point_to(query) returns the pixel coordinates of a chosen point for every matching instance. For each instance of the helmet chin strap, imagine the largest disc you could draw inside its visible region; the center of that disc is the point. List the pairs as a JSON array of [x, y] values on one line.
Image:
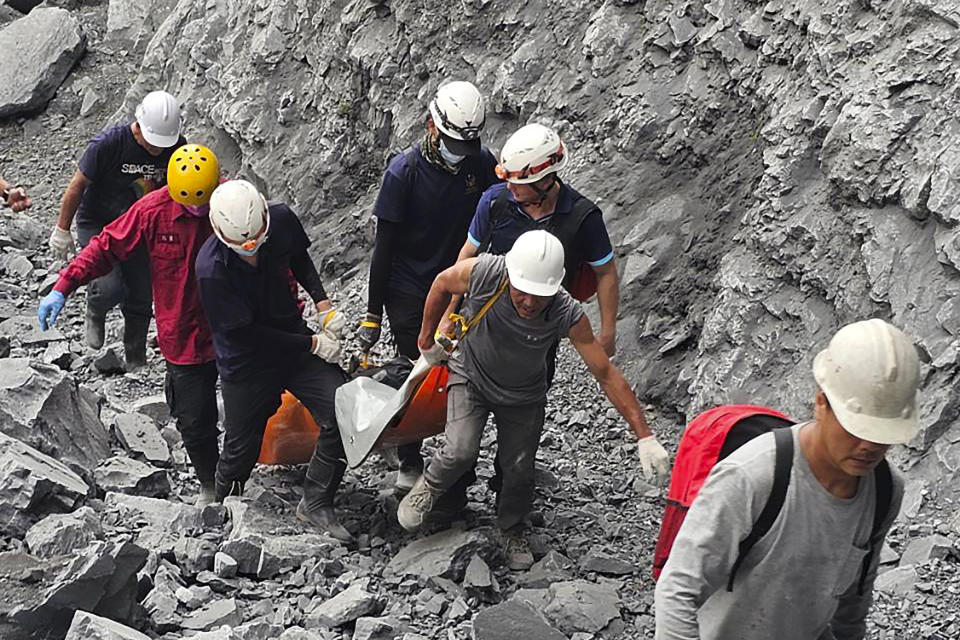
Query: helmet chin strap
[[542, 193]]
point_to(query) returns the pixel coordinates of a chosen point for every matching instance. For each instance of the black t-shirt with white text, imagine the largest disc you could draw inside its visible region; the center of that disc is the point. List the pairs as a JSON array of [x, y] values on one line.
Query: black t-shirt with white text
[[120, 172]]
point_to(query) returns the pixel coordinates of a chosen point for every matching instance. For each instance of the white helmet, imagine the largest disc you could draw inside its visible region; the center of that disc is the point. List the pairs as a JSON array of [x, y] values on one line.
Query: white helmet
[[870, 373], [239, 216], [535, 263], [531, 153], [159, 119], [457, 111]]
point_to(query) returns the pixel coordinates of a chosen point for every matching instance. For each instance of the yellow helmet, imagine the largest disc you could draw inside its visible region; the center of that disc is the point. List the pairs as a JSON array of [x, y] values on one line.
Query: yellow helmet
[[192, 174]]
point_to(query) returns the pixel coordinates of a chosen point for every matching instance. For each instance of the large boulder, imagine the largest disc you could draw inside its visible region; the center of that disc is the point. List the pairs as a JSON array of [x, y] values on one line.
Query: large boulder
[[32, 485], [43, 407], [125, 475], [62, 534], [40, 50], [87, 626]]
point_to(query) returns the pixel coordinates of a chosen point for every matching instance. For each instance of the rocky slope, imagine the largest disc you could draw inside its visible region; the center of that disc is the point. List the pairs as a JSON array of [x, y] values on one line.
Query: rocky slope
[[768, 170]]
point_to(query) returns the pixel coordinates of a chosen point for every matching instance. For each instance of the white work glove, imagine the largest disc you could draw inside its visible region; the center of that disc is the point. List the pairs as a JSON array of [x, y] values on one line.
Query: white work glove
[[654, 459], [332, 324], [61, 243], [435, 355], [326, 348]]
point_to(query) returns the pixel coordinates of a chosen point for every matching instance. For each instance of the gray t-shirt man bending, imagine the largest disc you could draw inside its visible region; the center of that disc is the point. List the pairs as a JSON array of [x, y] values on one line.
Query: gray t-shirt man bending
[[802, 580], [500, 368]]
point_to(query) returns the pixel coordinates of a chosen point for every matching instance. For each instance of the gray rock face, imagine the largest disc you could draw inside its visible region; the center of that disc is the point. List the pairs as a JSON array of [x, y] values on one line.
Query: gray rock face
[[899, 581], [62, 534], [124, 475], [44, 45], [134, 23], [43, 407], [580, 606], [444, 554], [346, 606], [101, 578], [923, 550], [32, 485], [139, 435], [512, 620], [86, 626]]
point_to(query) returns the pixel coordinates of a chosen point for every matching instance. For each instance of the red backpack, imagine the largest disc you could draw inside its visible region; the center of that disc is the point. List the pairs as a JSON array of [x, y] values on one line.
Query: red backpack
[[715, 434]]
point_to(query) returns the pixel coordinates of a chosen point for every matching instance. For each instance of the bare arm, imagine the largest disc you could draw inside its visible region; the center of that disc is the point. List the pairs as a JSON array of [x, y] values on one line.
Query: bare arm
[[609, 377], [450, 282], [608, 297], [71, 199], [467, 251]]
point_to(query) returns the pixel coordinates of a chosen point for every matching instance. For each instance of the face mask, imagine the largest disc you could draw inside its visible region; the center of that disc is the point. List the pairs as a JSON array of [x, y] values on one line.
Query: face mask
[[197, 211], [244, 252], [449, 156]]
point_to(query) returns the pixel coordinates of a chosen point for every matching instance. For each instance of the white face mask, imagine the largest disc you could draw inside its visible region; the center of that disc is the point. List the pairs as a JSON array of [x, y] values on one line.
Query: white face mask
[[449, 156]]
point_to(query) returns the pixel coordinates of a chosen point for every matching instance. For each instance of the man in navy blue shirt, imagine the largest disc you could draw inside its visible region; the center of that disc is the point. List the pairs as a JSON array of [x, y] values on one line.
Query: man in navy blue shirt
[[119, 166], [263, 344], [423, 210]]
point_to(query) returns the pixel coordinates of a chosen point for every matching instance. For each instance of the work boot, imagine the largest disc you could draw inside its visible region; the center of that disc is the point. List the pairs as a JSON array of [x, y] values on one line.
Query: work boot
[[415, 506], [95, 330], [208, 493], [226, 488], [135, 341], [517, 549], [320, 485]]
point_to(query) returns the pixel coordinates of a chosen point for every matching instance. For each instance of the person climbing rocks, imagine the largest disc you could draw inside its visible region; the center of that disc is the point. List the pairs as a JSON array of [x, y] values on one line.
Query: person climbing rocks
[[119, 166], [500, 368], [14, 198], [811, 574], [534, 197], [263, 344], [170, 225], [425, 204]]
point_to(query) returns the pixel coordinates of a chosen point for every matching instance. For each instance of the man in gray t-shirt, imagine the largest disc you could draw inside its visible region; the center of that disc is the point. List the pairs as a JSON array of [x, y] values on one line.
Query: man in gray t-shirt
[[519, 311], [802, 579]]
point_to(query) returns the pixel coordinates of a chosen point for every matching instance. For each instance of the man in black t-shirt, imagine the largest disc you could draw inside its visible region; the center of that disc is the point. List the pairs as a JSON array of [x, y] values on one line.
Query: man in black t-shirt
[[120, 165]]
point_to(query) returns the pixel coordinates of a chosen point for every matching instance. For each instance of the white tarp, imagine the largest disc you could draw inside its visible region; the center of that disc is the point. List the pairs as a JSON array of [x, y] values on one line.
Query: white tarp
[[366, 407]]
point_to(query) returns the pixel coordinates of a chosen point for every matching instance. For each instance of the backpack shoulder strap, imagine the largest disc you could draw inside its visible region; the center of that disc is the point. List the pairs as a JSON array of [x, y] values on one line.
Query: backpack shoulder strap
[[783, 465], [499, 209], [883, 481]]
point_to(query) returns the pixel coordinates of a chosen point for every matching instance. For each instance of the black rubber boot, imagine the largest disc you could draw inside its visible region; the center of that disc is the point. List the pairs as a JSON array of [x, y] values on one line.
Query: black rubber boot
[[94, 330], [319, 487], [135, 341], [227, 488]]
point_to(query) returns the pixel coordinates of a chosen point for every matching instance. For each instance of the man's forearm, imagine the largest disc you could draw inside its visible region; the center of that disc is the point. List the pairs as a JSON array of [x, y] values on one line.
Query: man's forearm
[[433, 309], [68, 206], [618, 391]]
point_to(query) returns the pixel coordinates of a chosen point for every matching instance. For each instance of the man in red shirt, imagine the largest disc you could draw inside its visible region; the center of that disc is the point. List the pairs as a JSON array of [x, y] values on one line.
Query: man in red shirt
[[172, 223]]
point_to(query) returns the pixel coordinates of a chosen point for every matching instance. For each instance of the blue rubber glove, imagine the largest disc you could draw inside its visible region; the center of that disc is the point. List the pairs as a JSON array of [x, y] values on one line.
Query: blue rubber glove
[[50, 307]]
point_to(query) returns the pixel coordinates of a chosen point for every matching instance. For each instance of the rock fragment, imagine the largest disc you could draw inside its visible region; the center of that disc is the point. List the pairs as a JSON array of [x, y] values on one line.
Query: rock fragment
[[553, 567], [606, 564], [124, 475], [224, 565], [138, 434], [87, 626], [445, 554], [212, 615], [899, 581], [109, 363], [512, 620], [44, 45], [42, 406], [62, 534], [32, 485], [578, 605], [346, 606], [925, 549]]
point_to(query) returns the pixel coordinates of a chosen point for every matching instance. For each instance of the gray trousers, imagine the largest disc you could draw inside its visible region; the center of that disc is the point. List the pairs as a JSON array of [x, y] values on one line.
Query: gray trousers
[[518, 437], [128, 284]]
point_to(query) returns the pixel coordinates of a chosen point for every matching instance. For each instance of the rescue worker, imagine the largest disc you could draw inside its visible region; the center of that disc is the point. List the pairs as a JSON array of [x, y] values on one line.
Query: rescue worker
[[811, 575], [428, 196], [171, 225], [534, 197], [14, 198], [120, 165], [500, 368], [263, 344]]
